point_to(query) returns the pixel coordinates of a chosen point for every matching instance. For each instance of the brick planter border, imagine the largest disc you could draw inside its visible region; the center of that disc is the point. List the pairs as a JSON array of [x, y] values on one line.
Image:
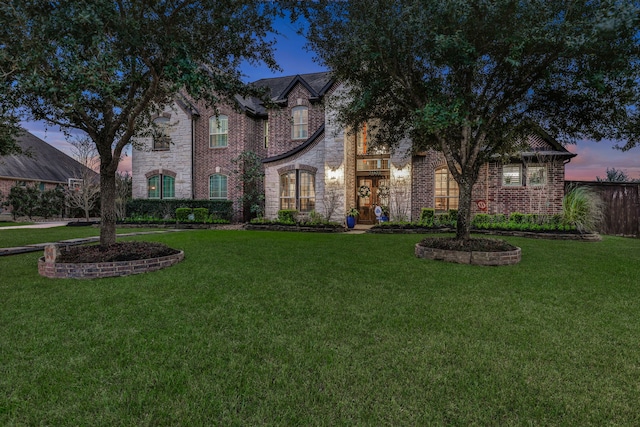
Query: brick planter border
[[476, 258], [98, 270]]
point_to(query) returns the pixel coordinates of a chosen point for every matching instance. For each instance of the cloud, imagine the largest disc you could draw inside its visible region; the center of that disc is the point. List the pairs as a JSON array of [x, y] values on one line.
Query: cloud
[[593, 159]]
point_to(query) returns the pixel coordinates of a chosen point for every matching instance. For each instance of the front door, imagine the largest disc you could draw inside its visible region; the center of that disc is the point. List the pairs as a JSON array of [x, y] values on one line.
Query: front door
[[367, 204]]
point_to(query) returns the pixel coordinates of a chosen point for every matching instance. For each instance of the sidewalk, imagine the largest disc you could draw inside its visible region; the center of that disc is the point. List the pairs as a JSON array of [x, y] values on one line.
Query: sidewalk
[[37, 225]]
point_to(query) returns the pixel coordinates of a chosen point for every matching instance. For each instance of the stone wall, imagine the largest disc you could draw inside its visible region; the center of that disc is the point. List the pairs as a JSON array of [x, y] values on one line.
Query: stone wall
[[177, 159]]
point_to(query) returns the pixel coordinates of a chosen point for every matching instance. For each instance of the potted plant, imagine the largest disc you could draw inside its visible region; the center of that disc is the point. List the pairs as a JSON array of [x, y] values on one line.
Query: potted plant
[[385, 214], [351, 217]]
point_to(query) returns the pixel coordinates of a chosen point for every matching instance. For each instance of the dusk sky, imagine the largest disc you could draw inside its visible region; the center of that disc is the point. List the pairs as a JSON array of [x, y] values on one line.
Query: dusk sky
[[592, 158]]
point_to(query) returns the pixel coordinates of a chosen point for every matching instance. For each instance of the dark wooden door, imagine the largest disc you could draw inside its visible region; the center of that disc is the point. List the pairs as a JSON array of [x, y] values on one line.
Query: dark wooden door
[[366, 205]]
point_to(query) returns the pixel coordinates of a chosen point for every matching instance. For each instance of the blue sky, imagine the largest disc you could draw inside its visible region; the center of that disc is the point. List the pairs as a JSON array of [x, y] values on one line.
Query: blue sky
[[592, 160]]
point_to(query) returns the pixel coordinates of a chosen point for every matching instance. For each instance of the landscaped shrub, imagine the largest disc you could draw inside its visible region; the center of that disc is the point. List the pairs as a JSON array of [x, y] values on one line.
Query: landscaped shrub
[[453, 215], [182, 214], [166, 208], [200, 214], [288, 215], [582, 208], [480, 219], [516, 217], [426, 215]]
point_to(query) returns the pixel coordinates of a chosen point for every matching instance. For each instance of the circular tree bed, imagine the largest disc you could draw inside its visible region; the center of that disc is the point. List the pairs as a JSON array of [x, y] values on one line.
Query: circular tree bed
[[119, 259], [470, 251]]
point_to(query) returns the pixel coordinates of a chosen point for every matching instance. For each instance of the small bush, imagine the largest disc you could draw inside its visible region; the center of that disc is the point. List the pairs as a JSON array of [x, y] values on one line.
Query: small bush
[[582, 208], [182, 214], [426, 215], [200, 214], [288, 216], [516, 217], [453, 215], [480, 219]]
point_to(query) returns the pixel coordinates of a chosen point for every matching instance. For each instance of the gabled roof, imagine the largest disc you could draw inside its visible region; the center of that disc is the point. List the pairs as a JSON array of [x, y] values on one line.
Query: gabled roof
[[543, 144], [45, 163], [278, 88]]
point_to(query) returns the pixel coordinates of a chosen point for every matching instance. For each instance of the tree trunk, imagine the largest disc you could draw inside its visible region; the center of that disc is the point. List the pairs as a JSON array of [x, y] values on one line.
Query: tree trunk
[[107, 207], [463, 227]]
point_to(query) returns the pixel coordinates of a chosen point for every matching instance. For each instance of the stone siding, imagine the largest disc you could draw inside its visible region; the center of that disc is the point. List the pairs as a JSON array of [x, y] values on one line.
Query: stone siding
[[176, 160]]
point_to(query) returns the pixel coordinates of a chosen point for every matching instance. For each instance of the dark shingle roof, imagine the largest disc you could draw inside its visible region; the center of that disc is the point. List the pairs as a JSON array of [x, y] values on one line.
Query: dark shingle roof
[[279, 87], [46, 163]]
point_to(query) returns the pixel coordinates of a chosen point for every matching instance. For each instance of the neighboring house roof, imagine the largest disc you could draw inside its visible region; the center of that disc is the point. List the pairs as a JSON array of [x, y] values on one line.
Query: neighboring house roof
[[278, 89], [44, 163]]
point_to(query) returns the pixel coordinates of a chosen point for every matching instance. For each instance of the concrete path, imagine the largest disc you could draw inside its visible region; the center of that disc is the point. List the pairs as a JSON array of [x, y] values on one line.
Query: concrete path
[[37, 225]]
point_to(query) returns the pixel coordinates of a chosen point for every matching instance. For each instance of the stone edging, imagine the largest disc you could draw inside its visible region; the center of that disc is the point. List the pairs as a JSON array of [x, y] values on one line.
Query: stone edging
[[476, 258], [49, 268]]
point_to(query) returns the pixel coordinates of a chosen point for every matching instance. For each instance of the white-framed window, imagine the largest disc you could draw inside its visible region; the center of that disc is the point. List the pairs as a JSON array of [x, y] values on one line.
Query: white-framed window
[[161, 187], [447, 191], [512, 175], [218, 131], [218, 186], [75, 183], [298, 190], [536, 175], [300, 128], [161, 138]]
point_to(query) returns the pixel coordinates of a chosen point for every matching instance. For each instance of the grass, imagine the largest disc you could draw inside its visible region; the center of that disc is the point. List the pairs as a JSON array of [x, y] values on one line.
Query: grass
[[27, 236], [257, 328]]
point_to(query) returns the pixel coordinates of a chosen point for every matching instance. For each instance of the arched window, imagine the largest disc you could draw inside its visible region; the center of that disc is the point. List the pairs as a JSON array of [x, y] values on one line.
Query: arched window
[[161, 187], [218, 131], [218, 186], [446, 191], [300, 128], [298, 190]]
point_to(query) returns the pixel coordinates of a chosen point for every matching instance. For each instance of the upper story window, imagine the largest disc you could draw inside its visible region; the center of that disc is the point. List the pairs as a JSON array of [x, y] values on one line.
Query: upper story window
[[218, 131], [218, 186], [363, 142], [511, 175], [161, 187], [300, 128], [161, 138]]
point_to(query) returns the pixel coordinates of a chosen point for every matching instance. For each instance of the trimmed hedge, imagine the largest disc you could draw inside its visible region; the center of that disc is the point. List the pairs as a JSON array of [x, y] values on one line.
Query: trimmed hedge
[[166, 208]]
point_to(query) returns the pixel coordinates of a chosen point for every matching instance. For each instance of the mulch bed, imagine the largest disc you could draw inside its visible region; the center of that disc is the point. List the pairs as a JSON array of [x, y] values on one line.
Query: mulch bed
[[469, 245], [120, 251]]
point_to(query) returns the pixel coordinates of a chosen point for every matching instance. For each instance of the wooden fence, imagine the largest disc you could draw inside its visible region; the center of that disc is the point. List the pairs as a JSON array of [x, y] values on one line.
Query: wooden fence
[[622, 206]]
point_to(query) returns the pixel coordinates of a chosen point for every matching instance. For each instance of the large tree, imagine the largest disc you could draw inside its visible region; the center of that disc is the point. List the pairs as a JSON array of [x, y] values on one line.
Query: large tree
[[472, 78], [105, 67]]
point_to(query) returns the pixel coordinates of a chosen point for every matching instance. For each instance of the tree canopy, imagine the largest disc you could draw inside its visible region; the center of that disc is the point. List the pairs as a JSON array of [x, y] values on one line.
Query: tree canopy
[[105, 67], [473, 78]]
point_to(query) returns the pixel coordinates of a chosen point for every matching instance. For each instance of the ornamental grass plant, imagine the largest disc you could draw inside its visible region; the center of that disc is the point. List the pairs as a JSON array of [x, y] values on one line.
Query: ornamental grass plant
[[256, 328]]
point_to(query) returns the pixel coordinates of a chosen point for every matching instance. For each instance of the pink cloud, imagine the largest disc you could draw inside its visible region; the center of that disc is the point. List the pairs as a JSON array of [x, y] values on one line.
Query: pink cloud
[[125, 165]]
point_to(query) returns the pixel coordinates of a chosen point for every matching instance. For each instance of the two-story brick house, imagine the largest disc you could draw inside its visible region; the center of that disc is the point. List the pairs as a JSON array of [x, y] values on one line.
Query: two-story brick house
[[312, 163]]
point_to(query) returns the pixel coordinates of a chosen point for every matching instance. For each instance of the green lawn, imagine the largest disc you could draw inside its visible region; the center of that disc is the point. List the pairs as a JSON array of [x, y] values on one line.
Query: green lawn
[[28, 236], [265, 328]]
